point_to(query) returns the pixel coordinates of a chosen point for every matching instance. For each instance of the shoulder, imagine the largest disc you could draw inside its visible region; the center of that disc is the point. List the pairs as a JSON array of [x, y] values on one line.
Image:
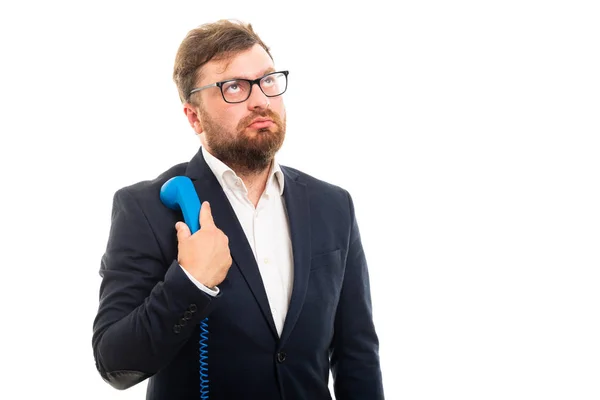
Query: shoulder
[[315, 185], [326, 197], [148, 190]]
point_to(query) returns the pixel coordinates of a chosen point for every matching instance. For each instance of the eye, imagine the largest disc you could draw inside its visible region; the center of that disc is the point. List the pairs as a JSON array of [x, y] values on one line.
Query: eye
[[233, 87], [269, 80]]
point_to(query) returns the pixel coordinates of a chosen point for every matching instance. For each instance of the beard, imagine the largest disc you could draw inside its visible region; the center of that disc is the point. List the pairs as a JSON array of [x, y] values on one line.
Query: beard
[[247, 151]]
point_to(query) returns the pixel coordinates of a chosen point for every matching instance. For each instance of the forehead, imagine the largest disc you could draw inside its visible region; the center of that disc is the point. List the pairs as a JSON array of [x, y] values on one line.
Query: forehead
[[249, 64]]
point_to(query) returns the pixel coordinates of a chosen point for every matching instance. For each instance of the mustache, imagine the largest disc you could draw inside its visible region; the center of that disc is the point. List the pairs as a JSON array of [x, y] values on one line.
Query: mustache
[[263, 114]]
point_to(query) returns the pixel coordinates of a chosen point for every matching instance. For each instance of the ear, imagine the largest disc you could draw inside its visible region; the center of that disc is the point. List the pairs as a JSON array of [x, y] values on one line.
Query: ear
[[193, 116]]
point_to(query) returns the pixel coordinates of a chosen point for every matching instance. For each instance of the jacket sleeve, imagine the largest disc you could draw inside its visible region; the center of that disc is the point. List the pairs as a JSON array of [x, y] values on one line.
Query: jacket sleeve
[[354, 349], [148, 307]]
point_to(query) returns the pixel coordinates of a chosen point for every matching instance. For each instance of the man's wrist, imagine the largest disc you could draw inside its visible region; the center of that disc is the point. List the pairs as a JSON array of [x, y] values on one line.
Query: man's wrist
[[212, 290]]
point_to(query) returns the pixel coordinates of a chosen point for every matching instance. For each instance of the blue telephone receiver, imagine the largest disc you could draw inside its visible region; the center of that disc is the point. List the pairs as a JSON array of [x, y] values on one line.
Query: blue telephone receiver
[[178, 193]]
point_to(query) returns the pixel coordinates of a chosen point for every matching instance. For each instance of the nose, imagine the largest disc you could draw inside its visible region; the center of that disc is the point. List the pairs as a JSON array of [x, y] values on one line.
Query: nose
[[257, 98]]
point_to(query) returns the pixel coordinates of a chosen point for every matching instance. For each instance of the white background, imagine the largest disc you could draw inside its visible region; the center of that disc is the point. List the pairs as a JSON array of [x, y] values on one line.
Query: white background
[[466, 132]]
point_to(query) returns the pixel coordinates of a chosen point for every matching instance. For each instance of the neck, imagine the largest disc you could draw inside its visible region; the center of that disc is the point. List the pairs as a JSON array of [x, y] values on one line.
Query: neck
[[255, 182]]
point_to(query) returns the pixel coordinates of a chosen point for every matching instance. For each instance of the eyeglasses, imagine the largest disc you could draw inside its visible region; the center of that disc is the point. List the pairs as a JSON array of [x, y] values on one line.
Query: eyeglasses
[[238, 90]]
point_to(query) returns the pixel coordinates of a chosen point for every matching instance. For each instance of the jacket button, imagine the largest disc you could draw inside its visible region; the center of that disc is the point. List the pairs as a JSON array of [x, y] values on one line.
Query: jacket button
[[187, 315], [182, 321], [193, 308], [177, 328], [281, 356]]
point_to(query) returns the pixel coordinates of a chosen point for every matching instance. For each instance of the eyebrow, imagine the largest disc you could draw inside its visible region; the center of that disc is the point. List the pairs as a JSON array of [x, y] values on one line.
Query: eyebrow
[[263, 73]]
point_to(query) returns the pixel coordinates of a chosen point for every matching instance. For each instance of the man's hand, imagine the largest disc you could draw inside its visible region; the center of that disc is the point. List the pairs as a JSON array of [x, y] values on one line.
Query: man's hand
[[205, 254]]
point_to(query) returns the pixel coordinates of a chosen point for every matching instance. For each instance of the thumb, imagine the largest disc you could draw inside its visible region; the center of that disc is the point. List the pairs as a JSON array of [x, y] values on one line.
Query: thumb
[[183, 232], [206, 218]]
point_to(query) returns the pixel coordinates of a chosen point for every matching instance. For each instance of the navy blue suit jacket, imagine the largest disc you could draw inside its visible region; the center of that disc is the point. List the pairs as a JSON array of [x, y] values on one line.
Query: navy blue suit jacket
[[149, 313]]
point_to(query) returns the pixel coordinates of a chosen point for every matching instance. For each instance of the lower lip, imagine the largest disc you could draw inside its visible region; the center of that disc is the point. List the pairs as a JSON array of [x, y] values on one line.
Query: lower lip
[[261, 124]]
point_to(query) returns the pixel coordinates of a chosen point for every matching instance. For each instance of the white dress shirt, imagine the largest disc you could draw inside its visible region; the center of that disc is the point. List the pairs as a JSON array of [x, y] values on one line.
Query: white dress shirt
[[267, 230]]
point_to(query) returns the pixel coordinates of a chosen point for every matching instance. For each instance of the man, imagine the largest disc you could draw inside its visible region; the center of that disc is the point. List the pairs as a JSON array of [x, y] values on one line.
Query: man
[[277, 265]]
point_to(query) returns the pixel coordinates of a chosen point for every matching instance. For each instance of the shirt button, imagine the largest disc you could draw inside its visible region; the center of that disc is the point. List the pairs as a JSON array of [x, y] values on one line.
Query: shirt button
[[266, 260]]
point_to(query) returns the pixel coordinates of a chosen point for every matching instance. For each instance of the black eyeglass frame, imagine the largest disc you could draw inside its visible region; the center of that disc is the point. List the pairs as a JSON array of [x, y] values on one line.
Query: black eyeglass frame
[[250, 81]]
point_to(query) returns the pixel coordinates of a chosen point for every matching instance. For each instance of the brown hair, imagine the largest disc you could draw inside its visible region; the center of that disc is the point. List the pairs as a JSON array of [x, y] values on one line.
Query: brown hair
[[219, 40]]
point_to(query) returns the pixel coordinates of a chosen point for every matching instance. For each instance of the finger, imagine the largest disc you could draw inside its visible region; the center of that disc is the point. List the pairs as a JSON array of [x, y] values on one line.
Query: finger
[[183, 232], [206, 218]]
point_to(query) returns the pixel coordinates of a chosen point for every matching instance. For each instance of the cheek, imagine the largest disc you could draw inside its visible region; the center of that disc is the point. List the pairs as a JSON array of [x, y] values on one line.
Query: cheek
[[227, 117], [235, 120], [279, 108]]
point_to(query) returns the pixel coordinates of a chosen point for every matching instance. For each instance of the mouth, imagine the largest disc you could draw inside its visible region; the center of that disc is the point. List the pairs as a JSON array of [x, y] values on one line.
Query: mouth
[[260, 123]]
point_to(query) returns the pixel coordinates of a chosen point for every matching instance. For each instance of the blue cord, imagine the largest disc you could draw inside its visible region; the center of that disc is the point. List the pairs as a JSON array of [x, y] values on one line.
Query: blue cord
[[178, 193], [203, 359]]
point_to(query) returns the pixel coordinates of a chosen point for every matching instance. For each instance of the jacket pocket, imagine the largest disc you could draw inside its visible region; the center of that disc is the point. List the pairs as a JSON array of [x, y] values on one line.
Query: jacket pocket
[[330, 259]]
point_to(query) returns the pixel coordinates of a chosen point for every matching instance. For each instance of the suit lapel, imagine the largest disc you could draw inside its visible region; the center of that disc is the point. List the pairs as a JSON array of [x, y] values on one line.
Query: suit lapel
[[209, 189], [296, 200]]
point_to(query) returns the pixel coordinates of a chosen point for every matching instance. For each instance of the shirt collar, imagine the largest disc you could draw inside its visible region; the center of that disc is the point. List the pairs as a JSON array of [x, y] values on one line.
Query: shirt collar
[[228, 178]]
